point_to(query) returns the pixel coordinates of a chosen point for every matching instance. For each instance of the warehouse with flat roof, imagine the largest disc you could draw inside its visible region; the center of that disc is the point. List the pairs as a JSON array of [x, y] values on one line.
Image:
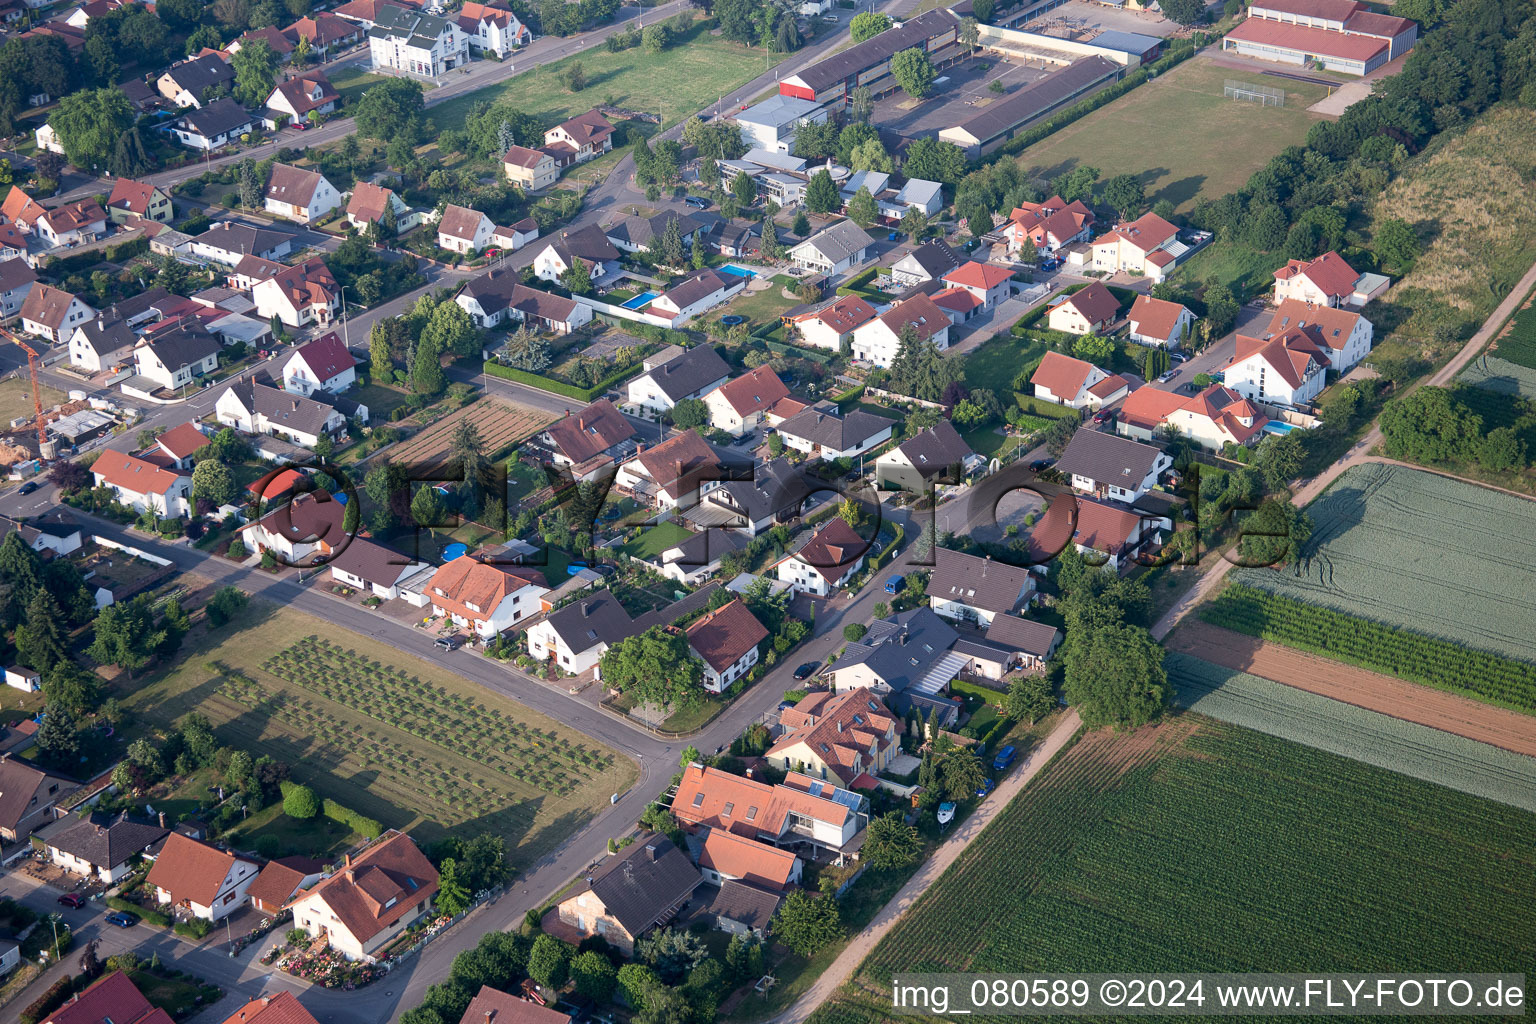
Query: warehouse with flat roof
[[1002, 120]]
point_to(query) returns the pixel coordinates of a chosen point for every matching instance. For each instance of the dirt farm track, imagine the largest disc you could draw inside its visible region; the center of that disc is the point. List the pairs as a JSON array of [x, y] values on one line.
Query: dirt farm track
[[1363, 688]]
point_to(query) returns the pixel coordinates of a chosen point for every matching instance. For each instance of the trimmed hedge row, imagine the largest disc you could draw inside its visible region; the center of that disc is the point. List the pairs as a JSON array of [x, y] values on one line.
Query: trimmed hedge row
[[154, 917], [358, 823], [80, 261], [49, 1001], [533, 380], [815, 355], [1040, 407], [971, 689]]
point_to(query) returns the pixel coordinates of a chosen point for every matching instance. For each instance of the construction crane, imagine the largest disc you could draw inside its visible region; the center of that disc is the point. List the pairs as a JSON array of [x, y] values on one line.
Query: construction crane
[[44, 448]]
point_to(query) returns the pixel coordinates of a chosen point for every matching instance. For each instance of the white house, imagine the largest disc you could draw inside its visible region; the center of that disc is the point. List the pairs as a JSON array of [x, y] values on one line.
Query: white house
[[726, 640], [302, 98], [1107, 466], [101, 344], [492, 28], [529, 169], [409, 40], [20, 677], [196, 877], [500, 295], [1049, 225], [926, 197], [968, 588], [368, 203], [832, 325], [101, 847], [141, 485], [1213, 418], [1076, 383], [938, 455], [47, 138], [927, 262], [988, 283], [1326, 280], [699, 291], [588, 246], [1148, 245], [372, 568], [52, 313], [675, 473], [582, 138], [304, 196], [1159, 323], [742, 404], [300, 295], [771, 124], [16, 281], [832, 556], [373, 898], [692, 373], [228, 242], [879, 340], [214, 126], [488, 599], [257, 406], [307, 529], [833, 249], [176, 357], [822, 433], [321, 365], [464, 230], [1345, 337], [574, 637], [1287, 369], [186, 83], [72, 224], [1089, 310]]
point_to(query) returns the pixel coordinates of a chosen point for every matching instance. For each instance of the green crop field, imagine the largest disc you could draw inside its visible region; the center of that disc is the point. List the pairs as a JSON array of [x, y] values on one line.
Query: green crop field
[[1421, 552], [1506, 682], [1220, 141], [1199, 846], [1518, 342], [1502, 376], [396, 738], [693, 72]]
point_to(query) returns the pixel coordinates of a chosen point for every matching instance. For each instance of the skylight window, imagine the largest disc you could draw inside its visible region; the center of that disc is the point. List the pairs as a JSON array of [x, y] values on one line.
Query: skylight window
[[698, 799]]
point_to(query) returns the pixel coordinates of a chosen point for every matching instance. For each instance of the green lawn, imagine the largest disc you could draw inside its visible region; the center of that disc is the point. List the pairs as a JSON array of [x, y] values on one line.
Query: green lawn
[[695, 71], [1181, 135], [16, 398], [758, 307], [319, 837], [353, 82], [380, 400], [1246, 271], [987, 441], [656, 539], [997, 362]]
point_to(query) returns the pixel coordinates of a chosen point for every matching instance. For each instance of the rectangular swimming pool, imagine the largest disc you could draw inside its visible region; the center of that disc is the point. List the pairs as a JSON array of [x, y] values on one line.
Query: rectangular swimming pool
[[1276, 427], [639, 301], [735, 271]]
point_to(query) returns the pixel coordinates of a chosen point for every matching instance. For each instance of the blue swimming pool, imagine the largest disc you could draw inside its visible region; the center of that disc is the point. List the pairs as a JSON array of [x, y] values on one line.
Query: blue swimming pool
[[639, 301], [1276, 427], [735, 271]]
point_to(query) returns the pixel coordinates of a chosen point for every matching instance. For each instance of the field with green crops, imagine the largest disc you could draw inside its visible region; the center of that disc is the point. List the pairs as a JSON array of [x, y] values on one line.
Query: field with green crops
[[1518, 343], [1501, 375], [1198, 846], [1420, 552], [1506, 682], [1368, 736]]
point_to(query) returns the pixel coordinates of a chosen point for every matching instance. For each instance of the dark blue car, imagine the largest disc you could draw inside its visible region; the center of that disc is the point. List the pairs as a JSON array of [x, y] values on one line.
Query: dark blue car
[[122, 919], [1003, 759]]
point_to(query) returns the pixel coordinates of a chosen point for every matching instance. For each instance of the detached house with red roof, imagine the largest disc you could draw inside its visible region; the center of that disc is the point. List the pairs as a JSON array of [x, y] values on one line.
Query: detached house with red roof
[[676, 473], [1326, 280], [1048, 225], [1113, 532], [1088, 310], [303, 98], [493, 28], [1159, 323], [321, 365], [113, 998], [801, 812], [487, 599], [324, 31], [837, 736], [827, 561], [724, 856], [740, 405], [298, 194], [726, 640], [582, 138], [1214, 417], [832, 325], [180, 443], [131, 198], [1076, 383], [1147, 245], [368, 203], [879, 340], [279, 880], [1343, 335], [371, 900], [281, 1007], [199, 879], [988, 283], [493, 1006], [1285, 369], [52, 313], [144, 485], [72, 223], [299, 295], [589, 440]]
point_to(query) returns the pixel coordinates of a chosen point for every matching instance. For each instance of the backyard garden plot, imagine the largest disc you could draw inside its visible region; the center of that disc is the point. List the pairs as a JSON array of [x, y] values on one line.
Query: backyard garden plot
[[1368, 736], [395, 738], [1198, 846], [1421, 552], [502, 424]]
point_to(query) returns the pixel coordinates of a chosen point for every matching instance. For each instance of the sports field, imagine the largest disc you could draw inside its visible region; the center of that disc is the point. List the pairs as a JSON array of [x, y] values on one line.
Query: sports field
[[1181, 135], [692, 73], [1200, 846], [1423, 553], [396, 738]]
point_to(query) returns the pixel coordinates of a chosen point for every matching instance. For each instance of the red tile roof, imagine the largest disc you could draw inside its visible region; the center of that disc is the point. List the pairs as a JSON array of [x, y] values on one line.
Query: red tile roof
[[1330, 10], [1148, 407], [754, 391], [119, 469], [679, 464], [183, 441], [1061, 375], [834, 548], [379, 887], [191, 870], [493, 1006], [20, 209], [1288, 354], [113, 998], [588, 128], [746, 859], [368, 201], [468, 581], [985, 276], [275, 484], [582, 435], [725, 635], [842, 316], [1332, 276], [1096, 303], [1108, 386], [840, 728], [1328, 325], [273, 888], [46, 305], [1308, 40], [297, 92], [281, 1007], [957, 299], [1156, 317], [709, 796], [1146, 232], [130, 195], [327, 356], [919, 312]]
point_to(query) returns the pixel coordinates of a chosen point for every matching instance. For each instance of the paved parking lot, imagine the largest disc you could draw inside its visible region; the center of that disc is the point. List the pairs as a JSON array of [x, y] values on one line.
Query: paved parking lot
[[959, 95]]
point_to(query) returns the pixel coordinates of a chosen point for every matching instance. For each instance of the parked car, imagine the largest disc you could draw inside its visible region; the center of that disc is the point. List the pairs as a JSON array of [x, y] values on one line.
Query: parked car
[[743, 439], [72, 899], [122, 919], [28, 487], [1178, 357], [697, 202], [1104, 416], [1165, 378], [446, 643], [1040, 464], [807, 670], [987, 785], [894, 584], [1003, 759]]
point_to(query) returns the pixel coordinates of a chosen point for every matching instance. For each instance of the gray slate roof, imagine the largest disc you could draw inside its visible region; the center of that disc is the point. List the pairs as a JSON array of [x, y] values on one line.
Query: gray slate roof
[[865, 55], [776, 486], [821, 427], [644, 882], [684, 374], [306, 415], [1022, 634], [1039, 97], [242, 239], [744, 903], [935, 257], [936, 448], [642, 231], [107, 841], [892, 645], [596, 618], [183, 345], [1107, 458], [838, 242], [979, 582], [217, 118], [107, 336]]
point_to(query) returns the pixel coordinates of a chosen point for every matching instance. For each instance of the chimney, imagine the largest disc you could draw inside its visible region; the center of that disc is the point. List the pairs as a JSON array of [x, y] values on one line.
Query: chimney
[[162, 819], [347, 859], [650, 851], [351, 875]]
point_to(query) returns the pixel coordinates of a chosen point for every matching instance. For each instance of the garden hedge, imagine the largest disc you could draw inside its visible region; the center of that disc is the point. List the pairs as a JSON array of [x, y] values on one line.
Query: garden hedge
[[49, 1001], [154, 917], [358, 823], [815, 355]]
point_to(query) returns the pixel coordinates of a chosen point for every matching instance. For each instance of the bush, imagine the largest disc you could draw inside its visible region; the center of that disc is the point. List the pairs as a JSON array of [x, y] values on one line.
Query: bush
[[299, 802], [296, 936], [49, 1001], [236, 549], [195, 928], [358, 823]]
